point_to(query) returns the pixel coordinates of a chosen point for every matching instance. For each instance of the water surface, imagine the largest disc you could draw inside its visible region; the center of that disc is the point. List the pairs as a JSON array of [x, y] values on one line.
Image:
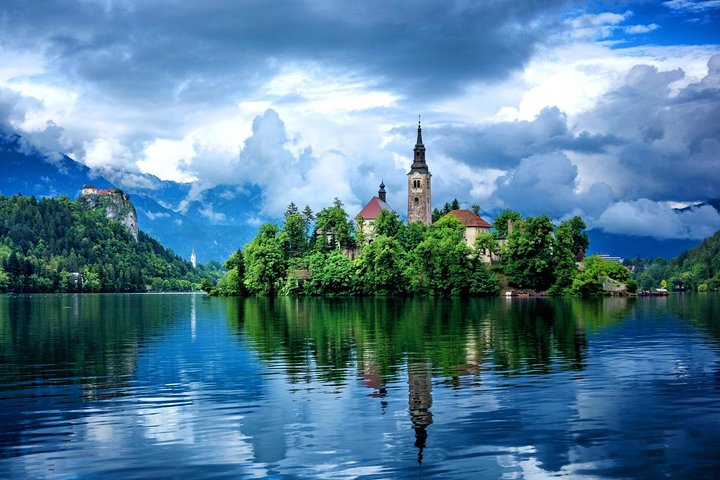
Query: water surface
[[185, 386]]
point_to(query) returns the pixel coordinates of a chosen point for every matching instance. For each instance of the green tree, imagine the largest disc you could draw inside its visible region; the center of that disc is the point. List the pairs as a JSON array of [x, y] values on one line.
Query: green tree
[[485, 242], [500, 225], [332, 273], [482, 281], [381, 267], [333, 227], [233, 283], [264, 262], [443, 259], [294, 233], [590, 280], [388, 223], [570, 245], [528, 257]]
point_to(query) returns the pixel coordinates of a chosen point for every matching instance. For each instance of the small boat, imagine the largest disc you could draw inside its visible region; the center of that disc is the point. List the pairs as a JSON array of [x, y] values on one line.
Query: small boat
[[660, 292]]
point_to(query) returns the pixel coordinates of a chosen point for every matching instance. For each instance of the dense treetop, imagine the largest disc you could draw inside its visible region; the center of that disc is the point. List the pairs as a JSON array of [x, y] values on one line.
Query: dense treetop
[[696, 269], [52, 245], [397, 259]]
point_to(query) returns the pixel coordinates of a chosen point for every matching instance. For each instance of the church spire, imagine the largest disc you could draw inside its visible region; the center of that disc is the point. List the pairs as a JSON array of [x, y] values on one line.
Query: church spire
[[419, 142], [419, 164], [381, 192]]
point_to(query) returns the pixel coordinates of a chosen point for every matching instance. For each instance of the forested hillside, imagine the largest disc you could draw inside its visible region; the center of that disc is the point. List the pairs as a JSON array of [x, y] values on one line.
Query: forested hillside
[[695, 269], [63, 245]]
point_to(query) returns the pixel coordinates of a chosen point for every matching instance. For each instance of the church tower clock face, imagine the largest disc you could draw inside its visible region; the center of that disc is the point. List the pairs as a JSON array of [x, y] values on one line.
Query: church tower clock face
[[419, 198]]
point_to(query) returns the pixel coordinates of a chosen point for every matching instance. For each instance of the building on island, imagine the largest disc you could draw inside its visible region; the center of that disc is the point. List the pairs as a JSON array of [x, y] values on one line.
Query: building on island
[[419, 192], [474, 227], [366, 218]]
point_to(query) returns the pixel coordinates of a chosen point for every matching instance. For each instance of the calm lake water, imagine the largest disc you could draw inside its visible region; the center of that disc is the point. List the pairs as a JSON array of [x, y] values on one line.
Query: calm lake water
[[185, 386]]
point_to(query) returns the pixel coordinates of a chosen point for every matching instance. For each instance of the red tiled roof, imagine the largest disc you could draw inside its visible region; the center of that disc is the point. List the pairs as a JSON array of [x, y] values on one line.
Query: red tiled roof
[[469, 219], [373, 208]]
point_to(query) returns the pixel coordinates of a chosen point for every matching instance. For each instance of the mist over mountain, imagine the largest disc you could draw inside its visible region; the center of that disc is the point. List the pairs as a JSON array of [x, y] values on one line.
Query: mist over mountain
[[218, 220]]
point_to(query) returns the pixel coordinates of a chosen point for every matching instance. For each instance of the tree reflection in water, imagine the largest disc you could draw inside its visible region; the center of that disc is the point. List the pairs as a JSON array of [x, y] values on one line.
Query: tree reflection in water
[[380, 340]]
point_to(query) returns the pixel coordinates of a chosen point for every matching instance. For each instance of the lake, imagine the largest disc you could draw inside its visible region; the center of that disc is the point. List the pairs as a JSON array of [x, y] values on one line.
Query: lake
[[186, 386]]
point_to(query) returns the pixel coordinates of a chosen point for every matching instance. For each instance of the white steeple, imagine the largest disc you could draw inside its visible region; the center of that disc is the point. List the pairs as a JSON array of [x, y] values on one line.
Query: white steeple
[[193, 259]]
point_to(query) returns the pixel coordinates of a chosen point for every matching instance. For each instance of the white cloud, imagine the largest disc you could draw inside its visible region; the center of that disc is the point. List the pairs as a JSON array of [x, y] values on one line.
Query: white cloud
[[104, 153], [636, 29], [169, 159], [154, 215], [208, 212], [693, 5]]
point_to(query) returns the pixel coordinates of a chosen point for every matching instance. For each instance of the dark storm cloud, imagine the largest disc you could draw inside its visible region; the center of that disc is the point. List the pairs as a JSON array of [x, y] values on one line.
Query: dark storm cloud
[[503, 145], [667, 144], [545, 185], [159, 51], [671, 143]]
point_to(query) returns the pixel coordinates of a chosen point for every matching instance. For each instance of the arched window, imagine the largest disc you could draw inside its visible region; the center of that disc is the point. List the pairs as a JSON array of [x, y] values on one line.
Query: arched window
[[417, 200]]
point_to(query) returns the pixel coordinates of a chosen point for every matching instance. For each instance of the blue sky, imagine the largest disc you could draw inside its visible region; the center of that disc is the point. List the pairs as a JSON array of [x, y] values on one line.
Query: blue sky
[[609, 109]]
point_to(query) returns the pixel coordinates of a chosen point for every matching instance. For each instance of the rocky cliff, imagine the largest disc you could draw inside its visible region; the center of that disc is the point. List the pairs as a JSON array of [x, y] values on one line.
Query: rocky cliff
[[117, 207]]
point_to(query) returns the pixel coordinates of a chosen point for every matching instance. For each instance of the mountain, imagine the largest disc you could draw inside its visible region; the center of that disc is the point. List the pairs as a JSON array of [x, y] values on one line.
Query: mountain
[[213, 223], [60, 245], [631, 246], [29, 172]]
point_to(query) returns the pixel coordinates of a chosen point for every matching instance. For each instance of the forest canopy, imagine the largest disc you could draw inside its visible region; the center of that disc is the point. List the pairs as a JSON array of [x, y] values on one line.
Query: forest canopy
[[61, 245]]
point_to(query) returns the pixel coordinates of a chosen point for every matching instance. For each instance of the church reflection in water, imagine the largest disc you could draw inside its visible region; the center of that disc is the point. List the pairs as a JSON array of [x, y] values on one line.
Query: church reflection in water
[[419, 402], [419, 397]]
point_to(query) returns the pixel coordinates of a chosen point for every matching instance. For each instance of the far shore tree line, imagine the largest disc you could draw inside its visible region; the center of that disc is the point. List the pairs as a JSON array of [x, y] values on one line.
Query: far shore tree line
[[697, 269], [323, 255]]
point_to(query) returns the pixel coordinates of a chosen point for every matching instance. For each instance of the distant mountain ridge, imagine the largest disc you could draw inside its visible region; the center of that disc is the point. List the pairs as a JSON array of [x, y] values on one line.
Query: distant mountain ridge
[[28, 171]]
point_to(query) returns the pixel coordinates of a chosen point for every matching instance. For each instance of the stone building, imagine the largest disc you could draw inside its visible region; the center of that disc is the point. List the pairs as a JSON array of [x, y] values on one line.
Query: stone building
[[419, 192]]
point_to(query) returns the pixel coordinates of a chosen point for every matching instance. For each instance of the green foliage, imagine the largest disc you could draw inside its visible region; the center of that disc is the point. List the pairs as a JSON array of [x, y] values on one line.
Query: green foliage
[[332, 274], [388, 223], [333, 227], [697, 266], [381, 267], [482, 281], [294, 232], [438, 214], [589, 281], [443, 259], [265, 262], [570, 245], [500, 225], [485, 242], [528, 257], [60, 245], [233, 283]]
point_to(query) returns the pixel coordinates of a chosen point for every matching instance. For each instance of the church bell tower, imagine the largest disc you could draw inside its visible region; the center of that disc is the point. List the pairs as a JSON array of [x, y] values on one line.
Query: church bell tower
[[419, 199]]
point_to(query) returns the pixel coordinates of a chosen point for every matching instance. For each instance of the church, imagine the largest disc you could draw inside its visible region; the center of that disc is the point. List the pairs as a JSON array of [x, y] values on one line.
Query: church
[[419, 201], [419, 194]]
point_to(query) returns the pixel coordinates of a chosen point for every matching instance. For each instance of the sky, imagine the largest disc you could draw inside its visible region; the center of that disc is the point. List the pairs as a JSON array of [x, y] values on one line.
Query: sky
[[606, 109]]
